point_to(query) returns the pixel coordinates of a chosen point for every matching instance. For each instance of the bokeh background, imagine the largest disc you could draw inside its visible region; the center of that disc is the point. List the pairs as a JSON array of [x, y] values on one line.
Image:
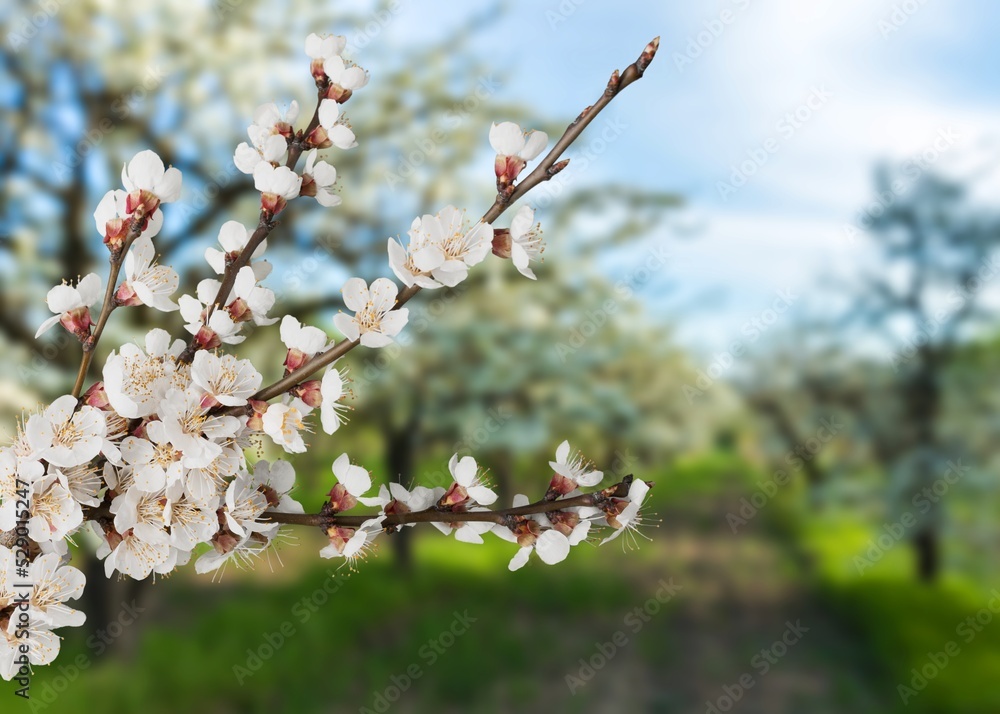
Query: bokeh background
[[769, 287]]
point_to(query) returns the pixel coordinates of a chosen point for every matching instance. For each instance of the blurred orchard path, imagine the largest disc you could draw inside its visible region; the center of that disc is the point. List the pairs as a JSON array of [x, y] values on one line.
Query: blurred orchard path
[[740, 592]]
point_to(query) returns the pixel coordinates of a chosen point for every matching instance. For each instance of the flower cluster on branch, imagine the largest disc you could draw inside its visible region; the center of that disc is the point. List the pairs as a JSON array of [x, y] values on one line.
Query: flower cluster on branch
[[152, 455]]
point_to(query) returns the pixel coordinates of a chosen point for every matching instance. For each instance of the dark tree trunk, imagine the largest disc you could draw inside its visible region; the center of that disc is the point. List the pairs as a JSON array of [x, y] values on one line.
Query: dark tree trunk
[[927, 550], [400, 457], [924, 406], [502, 463]]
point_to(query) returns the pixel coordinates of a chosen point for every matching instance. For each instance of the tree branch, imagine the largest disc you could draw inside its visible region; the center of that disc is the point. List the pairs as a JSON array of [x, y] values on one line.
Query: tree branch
[[543, 172]]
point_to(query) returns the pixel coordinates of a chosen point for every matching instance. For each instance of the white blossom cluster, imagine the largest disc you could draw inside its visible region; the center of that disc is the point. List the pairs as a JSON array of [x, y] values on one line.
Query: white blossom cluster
[[152, 457]]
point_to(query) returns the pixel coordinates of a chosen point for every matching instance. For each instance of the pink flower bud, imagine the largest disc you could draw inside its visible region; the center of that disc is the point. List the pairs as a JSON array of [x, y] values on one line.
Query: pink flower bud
[[272, 203], [501, 243], [454, 496], [125, 296], [78, 322], [207, 339], [341, 499], [309, 392], [96, 397]]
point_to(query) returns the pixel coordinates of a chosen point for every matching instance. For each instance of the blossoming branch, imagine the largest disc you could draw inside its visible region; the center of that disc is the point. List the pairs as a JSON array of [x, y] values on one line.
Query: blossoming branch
[[151, 456]]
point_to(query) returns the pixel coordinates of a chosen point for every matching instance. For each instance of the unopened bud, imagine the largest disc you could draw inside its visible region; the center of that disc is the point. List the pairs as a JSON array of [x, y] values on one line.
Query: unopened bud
[[126, 296], [341, 499], [78, 322], [309, 392], [97, 397], [501, 243]]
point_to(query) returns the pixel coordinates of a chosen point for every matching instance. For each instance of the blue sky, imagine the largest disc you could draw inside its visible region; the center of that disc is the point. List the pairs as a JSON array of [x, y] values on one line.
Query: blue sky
[[886, 80]]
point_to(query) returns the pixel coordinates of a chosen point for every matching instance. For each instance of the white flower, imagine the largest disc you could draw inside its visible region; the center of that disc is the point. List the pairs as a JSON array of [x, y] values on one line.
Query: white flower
[[233, 237], [552, 547], [525, 242], [420, 498], [54, 584], [571, 471], [229, 547], [508, 139], [136, 381], [65, 436], [112, 209], [155, 462], [84, 483], [331, 410], [336, 131], [375, 322], [303, 342], [54, 511], [145, 174], [190, 428], [221, 328], [355, 480], [247, 301], [130, 554], [268, 133], [71, 305], [225, 379], [441, 249], [245, 503], [207, 484], [190, 523], [537, 533], [147, 283], [468, 484], [344, 78], [276, 185], [324, 47], [275, 480], [351, 543], [630, 517], [144, 513], [324, 177], [284, 424]]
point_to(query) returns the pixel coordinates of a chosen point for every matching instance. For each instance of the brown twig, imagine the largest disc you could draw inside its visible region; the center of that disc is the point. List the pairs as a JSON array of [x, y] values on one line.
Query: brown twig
[[429, 515], [116, 260], [550, 166], [296, 146]]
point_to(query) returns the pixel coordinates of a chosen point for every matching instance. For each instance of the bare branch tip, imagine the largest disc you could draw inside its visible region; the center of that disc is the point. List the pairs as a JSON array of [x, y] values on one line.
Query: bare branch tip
[[646, 58]]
